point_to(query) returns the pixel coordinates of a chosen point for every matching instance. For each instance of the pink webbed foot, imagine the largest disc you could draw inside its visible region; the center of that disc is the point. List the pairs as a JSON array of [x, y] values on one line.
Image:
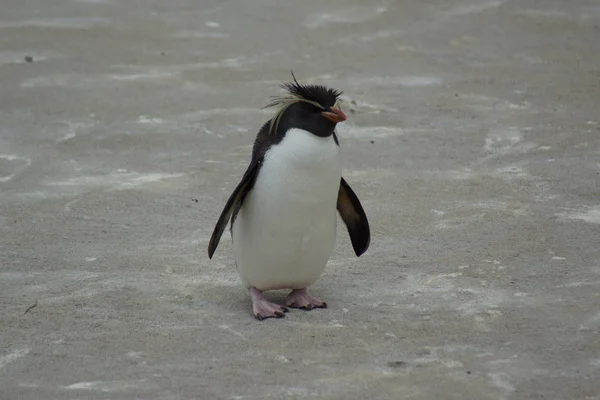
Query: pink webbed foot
[[263, 308], [299, 298]]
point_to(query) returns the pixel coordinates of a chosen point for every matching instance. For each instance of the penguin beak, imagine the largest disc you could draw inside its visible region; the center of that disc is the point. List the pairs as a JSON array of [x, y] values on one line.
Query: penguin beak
[[336, 115]]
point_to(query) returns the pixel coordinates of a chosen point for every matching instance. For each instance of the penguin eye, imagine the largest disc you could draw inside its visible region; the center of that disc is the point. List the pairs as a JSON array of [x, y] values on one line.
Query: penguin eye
[[314, 106], [318, 107]]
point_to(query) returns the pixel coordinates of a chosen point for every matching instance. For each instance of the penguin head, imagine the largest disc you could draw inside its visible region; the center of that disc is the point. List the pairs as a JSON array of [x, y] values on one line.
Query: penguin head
[[313, 108]]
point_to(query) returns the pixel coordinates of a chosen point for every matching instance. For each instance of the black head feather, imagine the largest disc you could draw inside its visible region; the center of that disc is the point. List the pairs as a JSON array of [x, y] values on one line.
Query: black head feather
[[319, 96], [316, 95], [326, 97]]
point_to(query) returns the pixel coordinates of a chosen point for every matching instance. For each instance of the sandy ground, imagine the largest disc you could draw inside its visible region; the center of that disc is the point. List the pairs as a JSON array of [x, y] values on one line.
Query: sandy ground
[[473, 141]]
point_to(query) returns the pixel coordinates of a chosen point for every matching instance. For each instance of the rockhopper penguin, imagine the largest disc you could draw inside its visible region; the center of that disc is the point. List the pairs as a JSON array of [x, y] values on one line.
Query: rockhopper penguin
[[283, 212]]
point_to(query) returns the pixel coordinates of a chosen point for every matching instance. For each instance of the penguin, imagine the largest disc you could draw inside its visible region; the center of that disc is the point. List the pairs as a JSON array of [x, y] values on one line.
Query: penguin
[[283, 212]]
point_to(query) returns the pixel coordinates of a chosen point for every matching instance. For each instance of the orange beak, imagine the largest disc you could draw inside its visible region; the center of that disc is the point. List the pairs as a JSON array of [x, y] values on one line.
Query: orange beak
[[336, 115]]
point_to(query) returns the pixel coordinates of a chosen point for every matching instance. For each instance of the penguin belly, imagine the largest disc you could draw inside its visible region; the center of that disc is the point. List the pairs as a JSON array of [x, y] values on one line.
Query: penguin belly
[[285, 230]]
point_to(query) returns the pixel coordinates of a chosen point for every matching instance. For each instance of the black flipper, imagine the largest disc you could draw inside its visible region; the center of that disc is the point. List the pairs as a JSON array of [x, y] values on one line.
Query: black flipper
[[233, 204], [354, 217]]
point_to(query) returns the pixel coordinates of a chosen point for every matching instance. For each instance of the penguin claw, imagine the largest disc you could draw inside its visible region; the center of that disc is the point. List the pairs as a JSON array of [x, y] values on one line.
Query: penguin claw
[[264, 309], [299, 298]]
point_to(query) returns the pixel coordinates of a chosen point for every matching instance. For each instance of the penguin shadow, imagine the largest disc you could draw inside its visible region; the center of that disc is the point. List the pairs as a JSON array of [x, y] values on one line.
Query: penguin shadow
[[276, 296]]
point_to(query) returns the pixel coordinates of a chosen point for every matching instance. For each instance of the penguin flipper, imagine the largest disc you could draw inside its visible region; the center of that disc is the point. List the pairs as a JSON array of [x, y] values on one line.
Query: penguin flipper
[[354, 217], [233, 204]]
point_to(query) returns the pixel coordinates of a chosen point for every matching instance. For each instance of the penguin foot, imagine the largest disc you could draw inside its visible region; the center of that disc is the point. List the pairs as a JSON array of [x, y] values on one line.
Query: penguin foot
[[299, 298], [263, 308]]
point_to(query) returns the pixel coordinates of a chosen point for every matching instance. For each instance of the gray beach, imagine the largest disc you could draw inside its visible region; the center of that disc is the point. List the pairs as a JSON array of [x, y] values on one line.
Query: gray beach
[[472, 140]]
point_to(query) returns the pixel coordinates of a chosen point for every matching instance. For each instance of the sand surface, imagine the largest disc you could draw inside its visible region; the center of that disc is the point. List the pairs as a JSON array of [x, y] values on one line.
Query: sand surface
[[473, 141]]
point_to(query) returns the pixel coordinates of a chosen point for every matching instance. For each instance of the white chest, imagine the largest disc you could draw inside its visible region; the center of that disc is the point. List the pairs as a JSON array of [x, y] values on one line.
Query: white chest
[[302, 168], [285, 231]]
